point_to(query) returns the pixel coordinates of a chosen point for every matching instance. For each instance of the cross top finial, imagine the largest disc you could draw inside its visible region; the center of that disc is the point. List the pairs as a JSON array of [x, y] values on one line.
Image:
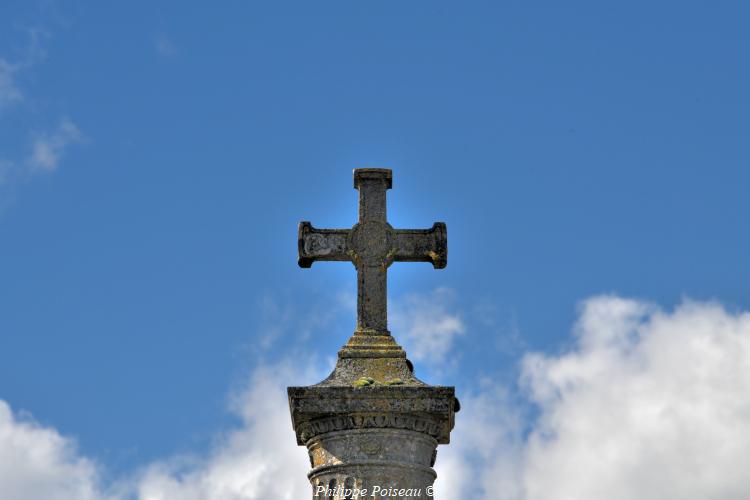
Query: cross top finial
[[384, 175], [372, 245]]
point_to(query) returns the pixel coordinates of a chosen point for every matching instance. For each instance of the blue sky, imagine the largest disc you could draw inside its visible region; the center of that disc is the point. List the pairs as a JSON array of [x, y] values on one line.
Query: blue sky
[[155, 162]]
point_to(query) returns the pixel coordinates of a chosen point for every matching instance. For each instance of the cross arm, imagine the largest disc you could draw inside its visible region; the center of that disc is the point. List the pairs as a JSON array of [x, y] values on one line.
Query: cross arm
[[321, 244], [423, 245]]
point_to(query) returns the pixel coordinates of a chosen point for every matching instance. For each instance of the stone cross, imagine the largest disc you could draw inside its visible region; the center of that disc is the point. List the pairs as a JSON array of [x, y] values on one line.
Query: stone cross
[[372, 424], [372, 245]]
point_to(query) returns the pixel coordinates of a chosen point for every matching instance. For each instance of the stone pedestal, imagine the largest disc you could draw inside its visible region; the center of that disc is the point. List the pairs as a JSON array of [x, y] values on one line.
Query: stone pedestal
[[371, 425]]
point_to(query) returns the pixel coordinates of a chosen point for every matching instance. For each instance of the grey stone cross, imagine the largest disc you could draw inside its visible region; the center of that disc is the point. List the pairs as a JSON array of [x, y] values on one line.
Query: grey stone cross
[[372, 245]]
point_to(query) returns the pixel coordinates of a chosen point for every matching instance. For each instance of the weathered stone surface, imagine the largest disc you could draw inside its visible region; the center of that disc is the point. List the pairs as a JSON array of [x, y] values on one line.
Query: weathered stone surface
[[374, 436], [373, 458], [372, 245], [319, 409], [372, 424]]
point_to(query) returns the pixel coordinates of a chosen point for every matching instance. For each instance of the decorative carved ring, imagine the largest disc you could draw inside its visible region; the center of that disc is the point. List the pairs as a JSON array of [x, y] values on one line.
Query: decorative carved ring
[[310, 429]]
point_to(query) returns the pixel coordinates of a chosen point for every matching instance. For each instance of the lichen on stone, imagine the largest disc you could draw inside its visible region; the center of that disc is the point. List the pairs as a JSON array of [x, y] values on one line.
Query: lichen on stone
[[364, 382]]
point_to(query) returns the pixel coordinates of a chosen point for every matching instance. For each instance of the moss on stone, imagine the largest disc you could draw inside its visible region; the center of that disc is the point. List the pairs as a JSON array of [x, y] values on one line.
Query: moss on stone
[[364, 382]]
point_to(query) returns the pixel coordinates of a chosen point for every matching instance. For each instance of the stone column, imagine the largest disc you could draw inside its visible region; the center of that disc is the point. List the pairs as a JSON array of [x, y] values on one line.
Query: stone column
[[372, 425]]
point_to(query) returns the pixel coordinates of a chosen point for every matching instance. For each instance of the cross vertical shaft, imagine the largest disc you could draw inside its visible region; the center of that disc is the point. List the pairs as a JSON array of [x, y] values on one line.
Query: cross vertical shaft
[[372, 232]]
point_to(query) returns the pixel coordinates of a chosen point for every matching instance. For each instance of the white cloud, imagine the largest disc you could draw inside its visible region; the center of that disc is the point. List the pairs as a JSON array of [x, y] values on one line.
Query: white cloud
[[37, 463], [9, 92], [482, 461], [427, 324], [259, 460], [48, 149], [647, 404]]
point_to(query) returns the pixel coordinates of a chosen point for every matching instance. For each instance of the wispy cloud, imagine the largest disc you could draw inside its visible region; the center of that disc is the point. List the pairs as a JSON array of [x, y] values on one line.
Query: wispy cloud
[[427, 324], [9, 92], [280, 318], [48, 149], [164, 45]]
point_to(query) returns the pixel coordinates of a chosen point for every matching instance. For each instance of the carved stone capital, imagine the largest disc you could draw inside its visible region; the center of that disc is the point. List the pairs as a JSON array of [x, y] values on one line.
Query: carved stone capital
[[320, 409]]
